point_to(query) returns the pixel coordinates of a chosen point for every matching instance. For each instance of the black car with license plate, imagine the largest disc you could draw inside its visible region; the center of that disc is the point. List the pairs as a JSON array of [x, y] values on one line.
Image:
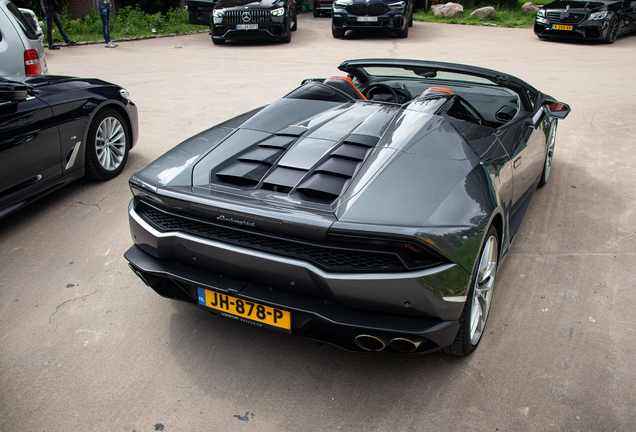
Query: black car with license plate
[[601, 20], [396, 16], [249, 19], [56, 129], [369, 211]]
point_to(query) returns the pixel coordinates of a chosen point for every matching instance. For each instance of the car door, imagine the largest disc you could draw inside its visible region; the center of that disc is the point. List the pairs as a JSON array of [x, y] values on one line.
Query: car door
[[525, 142], [29, 149]]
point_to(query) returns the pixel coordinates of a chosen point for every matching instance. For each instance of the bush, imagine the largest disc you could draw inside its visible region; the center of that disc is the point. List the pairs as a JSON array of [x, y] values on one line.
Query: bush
[[152, 7]]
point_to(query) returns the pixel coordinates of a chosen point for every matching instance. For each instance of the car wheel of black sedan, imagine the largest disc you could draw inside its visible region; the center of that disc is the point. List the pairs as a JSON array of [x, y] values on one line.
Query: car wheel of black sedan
[[549, 155], [107, 145], [337, 33], [473, 319], [612, 31], [411, 20], [316, 13]]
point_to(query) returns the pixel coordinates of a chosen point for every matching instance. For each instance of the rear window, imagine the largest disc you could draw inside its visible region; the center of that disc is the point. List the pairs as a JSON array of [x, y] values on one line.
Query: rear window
[[23, 22]]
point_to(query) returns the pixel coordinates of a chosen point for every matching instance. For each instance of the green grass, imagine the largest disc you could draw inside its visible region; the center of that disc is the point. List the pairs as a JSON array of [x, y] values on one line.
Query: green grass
[[504, 17], [129, 23]]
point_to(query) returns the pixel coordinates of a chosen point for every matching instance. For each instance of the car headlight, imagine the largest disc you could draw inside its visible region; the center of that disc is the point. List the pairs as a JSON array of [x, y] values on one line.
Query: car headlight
[[597, 16], [124, 93], [217, 13], [278, 12], [340, 5], [541, 13], [398, 5]]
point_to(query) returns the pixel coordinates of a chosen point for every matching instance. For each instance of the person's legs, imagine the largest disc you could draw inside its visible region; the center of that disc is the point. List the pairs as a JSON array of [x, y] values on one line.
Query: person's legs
[[104, 14], [60, 27], [49, 26]]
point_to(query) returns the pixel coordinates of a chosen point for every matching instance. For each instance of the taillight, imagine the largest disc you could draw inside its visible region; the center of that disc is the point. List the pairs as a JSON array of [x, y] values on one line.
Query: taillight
[[32, 64], [412, 254]]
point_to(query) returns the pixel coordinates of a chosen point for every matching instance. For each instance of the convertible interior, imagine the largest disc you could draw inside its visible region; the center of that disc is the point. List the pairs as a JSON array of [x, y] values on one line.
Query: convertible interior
[[489, 104]]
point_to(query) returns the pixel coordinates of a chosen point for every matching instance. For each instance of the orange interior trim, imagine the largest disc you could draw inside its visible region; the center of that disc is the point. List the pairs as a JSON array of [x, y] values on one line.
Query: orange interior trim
[[439, 89], [350, 81]]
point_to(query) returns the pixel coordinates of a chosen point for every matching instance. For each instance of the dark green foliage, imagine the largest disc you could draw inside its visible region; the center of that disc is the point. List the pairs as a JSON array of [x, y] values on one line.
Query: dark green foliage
[[151, 7], [129, 23], [34, 5]]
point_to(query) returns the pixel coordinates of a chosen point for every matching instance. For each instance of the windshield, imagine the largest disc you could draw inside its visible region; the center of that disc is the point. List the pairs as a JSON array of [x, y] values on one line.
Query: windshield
[[429, 76]]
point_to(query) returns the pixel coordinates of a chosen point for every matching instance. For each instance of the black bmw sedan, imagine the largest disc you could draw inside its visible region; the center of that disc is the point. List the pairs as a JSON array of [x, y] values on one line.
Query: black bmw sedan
[[372, 15], [56, 129], [249, 19], [602, 20]]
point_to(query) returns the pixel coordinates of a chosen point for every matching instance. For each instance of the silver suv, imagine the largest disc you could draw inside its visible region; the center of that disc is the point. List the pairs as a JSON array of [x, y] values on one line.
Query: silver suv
[[21, 50]]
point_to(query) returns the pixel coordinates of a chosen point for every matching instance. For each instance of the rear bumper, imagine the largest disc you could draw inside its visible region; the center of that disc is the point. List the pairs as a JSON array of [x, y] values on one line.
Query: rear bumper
[[325, 306], [313, 318]]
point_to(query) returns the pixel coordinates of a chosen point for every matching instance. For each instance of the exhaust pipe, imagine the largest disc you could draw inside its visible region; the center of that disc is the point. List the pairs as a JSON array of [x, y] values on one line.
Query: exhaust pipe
[[403, 344], [371, 342]]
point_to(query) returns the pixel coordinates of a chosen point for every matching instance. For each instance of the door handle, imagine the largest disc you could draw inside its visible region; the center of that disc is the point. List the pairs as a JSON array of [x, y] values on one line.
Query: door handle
[[517, 162]]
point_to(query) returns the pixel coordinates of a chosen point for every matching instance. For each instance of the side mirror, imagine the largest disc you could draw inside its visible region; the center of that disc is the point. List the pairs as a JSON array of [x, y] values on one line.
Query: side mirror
[[13, 92], [557, 109]]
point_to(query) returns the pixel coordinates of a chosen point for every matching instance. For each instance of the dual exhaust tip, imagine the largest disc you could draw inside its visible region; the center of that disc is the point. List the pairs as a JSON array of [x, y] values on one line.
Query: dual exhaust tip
[[379, 342]]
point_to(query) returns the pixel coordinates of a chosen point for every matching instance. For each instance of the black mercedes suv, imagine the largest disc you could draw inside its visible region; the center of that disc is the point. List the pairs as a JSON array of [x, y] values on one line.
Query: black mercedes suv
[[249, 19], [371, 15]]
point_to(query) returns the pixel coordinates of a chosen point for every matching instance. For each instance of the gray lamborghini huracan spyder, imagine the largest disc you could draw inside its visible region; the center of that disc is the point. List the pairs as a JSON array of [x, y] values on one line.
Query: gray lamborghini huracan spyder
[[369, 211]]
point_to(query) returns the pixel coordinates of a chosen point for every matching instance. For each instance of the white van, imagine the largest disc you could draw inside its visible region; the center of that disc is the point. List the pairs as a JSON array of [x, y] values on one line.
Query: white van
[[21, 50]]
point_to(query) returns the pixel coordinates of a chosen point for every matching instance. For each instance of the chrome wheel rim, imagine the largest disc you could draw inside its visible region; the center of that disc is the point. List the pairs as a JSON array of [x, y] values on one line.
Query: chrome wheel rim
[[550, 153], [110, 143], [482, 292], [613, 31]]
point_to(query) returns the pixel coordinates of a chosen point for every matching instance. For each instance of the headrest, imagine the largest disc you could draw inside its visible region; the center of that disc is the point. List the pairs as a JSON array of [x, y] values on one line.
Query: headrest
[[346, 85], [436, 90]]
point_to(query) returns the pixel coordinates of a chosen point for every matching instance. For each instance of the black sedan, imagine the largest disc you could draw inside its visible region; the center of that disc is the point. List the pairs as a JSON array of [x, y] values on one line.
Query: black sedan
[[602, 20], [253, 19], [55, 129], [369, 211], [396, 16]]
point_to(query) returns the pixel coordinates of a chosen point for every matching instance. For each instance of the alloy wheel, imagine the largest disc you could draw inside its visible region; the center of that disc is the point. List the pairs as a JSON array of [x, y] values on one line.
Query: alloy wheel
[[110, 143], [482, 292]]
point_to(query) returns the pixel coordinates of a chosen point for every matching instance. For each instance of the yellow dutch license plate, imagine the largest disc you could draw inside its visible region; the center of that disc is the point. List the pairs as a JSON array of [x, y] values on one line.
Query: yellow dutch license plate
[[246, 311], [562, 27]]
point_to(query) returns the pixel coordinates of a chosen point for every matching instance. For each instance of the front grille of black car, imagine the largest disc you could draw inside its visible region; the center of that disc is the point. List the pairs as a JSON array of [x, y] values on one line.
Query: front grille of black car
[[565, 18], [363, 9], [247, 17], [327, 258]]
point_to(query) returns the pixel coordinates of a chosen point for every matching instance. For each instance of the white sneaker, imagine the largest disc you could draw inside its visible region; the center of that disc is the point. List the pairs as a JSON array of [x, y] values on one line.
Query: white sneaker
[[111, 45]]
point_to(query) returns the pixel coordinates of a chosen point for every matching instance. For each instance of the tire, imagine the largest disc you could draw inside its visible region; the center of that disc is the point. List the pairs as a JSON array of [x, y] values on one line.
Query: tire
[[107, 145], [295, 25], [411, 20], [316, 13], [612, 31], [475, 314], [337, 33], [549, 154], [403, 34]]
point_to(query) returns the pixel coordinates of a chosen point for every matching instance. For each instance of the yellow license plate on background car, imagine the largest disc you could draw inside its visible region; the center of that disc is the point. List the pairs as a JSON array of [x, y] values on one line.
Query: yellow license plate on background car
[[562, 27], [246, 311]]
